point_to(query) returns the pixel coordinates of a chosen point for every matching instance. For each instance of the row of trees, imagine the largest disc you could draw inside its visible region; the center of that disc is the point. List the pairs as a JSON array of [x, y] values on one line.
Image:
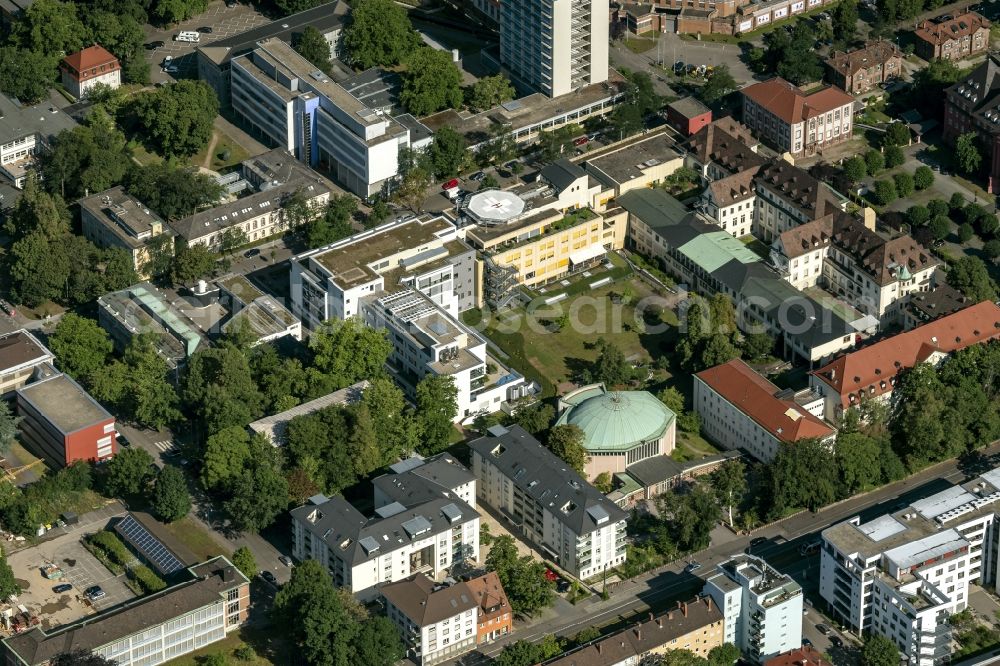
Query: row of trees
[[523, 653]]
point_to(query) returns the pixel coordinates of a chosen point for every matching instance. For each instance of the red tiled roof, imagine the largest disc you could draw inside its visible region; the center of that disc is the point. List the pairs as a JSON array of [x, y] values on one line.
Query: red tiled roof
[[89, 58], [792, 105], [489, 594], [873, 53], [756, 397], [806, 655], [871, 371], [958, 27]]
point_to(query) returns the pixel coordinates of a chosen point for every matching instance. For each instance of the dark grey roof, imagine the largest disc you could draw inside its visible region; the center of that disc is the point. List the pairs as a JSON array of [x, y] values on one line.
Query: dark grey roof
[[735, 274], [562, 173], [425, 602], [209, 582], [655, 207], [430, 479], [17, 120], [980, 88], [346, 530], [418, 131], [325, 18], [652, 471], [376, 88], [551, 482]]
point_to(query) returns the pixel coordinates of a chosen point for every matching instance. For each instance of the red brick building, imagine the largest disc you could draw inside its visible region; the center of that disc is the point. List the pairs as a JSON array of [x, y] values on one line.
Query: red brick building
[[971, 106], [806, 655], [960, 37], [63, 424], [862, 69], [687, 115]]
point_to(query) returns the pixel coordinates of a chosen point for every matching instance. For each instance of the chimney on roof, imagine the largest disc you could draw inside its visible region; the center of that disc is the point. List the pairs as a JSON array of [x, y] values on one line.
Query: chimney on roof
[[685, 607], [599, 650], [708, 600], [659, 621], [638, 633]]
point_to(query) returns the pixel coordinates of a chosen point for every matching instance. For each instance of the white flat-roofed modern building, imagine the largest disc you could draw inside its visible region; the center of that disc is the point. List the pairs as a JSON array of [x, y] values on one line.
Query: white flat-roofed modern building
[[762, 607], [902, 575], [412, 278], [548, 502], [555, 46], [425, 528], [298, 107]]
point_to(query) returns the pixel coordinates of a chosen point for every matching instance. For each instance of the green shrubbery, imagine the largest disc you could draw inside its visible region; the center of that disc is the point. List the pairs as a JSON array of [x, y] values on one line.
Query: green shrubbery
[[146, 578], [110, 550]]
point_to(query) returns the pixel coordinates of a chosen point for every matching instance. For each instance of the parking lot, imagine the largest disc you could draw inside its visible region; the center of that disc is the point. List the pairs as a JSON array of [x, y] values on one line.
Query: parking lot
[[224, 22], [80, 569]]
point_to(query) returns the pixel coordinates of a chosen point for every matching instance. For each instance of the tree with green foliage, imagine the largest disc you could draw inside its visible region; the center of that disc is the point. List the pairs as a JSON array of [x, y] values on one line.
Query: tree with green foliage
[[392, 418], [448, 153], [51, 27], [437, 404], [879, 651], [232, 239], [128, 472], [260, 493], [38, 271], [965, 232], [81, 658], [25, 74], [874, 162], [690, 517], [884, 192], [719, 84], [896, 134], [803, 474], [226, 454], [522, 577], [923, 177], [171, 191], [904, 184], [148, 396], [38, 211], [312, 46], [81, 346], [220, 389], [348, 351], [553, 143], [940, 227], [917, 215], [171, 499], [499, 148], [8, 584], [334, 224], [757, 345], [938, 206], [855, 169], [967, 154], [603, 482], [969, 276], [845, 21], [178, 118], [524, 653], [566, 442], [244, 560], [610, 368], [378, 644], [412, 191], [121, 34], [431, 82], [490, 91], [726, 654], [991, 249], [894, 157], [790, 51], [378, 34], [535, 418], [378, 213], [91, 157], [729, 483], [192, 262]]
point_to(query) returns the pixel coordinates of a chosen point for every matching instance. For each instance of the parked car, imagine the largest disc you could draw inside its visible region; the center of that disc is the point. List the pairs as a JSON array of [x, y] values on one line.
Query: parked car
[[252, 252], [152, 46], [287, 561], [810, 548], [269, 577], [756, 541], [231, 3], [835, 641], [581, 141], [205, 30], [679, 67], [823, 629], [94, 592], [64, 587], [187, 36], [562, 586], [7, 307], [806, 641], [478, 176], [692, 567]]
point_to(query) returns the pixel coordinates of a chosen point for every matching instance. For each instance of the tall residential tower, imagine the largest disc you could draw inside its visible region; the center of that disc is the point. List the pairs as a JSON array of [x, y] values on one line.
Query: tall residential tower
[[555, 46]]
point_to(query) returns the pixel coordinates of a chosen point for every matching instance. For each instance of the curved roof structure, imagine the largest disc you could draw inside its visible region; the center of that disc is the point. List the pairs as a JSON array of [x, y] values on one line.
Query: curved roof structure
[[616, 420], [495, 206]]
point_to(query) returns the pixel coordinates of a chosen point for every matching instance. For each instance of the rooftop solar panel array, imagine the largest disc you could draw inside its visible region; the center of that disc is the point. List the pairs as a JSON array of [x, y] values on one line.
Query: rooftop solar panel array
[[149, 546]]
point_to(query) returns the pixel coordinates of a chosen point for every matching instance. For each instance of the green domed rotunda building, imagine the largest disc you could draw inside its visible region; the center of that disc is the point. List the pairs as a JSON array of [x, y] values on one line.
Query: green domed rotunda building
[[620, 428]]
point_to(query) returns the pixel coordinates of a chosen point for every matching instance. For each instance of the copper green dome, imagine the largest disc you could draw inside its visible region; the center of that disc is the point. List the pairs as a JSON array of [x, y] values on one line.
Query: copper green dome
[[617, 421]]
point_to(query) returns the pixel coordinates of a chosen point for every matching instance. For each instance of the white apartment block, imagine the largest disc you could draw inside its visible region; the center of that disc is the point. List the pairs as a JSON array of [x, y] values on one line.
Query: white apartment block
[[21, 355], [412, 278], [271, 178], [417, 480], [437, 621], [555, 46], [732, 202], [548, 502], [112, 218], [213, 601], [903, 574], [362, 553], [298, 108], [762, 607]]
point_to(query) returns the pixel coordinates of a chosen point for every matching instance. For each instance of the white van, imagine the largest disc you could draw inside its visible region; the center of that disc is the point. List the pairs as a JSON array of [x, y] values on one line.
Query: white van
[[187, 36]]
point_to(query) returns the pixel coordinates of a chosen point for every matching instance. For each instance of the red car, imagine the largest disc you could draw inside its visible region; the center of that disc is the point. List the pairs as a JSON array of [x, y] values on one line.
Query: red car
[[450, 184], [582, 141], [551, 575]]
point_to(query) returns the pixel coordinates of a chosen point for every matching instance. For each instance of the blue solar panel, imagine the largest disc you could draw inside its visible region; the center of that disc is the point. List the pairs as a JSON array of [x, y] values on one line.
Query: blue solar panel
[[150, 547]]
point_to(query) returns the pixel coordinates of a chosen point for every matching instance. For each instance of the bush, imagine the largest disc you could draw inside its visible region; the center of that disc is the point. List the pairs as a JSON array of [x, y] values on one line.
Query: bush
[[855, 169], [923, 177], [245, 653], [957, 201], [884, 192], [113, 547], [904, 184], [987, 225], [917, 215], [965, 232], [894, 157], [937, 206], [874, 161], [146, 579]]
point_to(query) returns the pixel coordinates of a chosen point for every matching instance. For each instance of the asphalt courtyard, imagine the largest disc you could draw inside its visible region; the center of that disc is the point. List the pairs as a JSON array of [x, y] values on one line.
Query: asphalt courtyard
[[224, 22]]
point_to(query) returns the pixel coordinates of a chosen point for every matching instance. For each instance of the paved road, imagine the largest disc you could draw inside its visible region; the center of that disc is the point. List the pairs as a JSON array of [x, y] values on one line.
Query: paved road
[[656, 590]]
